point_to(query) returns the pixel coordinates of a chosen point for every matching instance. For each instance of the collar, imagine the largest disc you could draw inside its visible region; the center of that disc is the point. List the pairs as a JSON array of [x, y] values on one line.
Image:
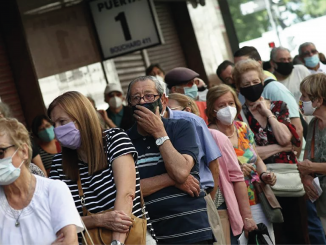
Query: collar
[[170, 112]]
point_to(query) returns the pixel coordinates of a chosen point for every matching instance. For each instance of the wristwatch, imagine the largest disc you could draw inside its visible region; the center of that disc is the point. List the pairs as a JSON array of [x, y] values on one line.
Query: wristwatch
[[115, 242], [161, 140]]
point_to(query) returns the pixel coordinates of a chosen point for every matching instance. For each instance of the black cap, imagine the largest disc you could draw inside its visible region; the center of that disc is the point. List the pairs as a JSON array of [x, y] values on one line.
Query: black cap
[[179, 75]]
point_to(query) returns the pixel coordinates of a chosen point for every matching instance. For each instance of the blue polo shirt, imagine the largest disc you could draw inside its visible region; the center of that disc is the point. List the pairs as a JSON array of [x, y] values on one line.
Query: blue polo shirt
[[208, 149], [177, 218]]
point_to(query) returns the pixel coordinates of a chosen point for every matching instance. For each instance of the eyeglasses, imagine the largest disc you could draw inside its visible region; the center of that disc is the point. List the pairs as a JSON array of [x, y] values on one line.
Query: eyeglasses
[[147, 98], [307, 53], [3, 150], [176, 108]]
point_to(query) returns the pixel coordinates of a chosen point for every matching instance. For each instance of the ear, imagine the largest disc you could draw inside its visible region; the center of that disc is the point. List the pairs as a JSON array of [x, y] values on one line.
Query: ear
[[196, 80], [173, 90], [260, 62], [272, 63], [188, 109], [164, 100], [24, 151]]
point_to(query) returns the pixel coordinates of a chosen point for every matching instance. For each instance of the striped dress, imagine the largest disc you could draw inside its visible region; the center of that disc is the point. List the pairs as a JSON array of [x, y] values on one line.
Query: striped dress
[[99, 188]]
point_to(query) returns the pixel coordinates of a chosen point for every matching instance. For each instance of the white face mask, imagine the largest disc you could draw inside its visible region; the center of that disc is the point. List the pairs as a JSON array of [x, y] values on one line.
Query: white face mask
[[115, 102], [226, 115], [307, 108], [8, 172]]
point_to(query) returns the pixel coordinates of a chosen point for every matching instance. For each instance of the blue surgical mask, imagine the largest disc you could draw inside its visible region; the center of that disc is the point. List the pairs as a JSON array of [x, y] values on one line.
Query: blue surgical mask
[[46, 135], [191, 92], [312, 61], [8, 172]]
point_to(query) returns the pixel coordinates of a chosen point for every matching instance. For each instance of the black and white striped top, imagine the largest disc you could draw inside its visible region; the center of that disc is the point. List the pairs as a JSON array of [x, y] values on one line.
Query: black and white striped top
[[99, 189], [46, 158]]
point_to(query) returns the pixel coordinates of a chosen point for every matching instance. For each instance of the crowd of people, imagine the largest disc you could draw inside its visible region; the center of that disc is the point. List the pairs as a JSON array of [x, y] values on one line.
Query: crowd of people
[[191, 162]]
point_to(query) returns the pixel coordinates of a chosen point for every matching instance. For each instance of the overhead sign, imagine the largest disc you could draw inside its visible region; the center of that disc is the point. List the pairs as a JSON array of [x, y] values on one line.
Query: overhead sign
[[252, 7], [124, 26]]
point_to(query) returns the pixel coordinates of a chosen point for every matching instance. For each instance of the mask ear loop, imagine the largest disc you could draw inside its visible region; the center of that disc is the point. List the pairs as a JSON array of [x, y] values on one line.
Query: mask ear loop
[[14, 155]]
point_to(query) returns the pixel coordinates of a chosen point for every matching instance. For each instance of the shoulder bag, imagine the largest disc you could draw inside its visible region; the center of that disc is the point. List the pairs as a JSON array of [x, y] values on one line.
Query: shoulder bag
[[100, 235]]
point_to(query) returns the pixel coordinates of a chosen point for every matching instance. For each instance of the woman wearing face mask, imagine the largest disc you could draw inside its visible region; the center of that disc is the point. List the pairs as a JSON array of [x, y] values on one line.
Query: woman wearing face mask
[[272, 132], [313, 100], [182, 102], [43, 132], [222, 109], [98, 163], [33, 210]]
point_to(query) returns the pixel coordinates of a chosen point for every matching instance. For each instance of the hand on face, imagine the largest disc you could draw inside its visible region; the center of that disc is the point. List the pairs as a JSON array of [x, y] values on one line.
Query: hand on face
[[150, 122], [260, 106]]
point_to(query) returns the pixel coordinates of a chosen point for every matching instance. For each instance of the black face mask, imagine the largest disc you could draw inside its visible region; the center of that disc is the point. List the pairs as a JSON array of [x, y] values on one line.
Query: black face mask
[[284, 69], [201, 89], [252, 93], [150, 106]]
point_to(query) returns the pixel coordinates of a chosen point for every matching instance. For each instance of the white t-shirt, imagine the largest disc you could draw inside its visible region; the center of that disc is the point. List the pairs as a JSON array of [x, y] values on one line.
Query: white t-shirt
[[50, 209], [293, 81], [321, 69]]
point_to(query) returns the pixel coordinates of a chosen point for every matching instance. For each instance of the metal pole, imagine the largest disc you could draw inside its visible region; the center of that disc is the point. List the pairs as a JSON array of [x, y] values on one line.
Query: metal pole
[[271, 19], [104, 72]]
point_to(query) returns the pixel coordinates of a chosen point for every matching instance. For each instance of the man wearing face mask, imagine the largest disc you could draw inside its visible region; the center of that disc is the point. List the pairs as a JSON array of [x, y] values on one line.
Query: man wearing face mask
[[168, 167], [310, 57], [288, 74], [185, 81], [120, 115]]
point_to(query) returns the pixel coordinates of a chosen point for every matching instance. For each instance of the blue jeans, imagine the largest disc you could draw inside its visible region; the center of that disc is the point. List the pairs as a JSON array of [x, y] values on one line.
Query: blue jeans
[[315, 228]]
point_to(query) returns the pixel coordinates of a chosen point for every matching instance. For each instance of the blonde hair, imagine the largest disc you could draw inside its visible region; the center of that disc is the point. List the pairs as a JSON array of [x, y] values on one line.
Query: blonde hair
[[185, 101], [314, 86], [213, 94], [17, 134], [81, 110], [244, 66]]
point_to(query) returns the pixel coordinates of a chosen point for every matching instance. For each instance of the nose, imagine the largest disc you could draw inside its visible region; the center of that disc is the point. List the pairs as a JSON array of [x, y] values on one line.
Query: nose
[[142, 101]]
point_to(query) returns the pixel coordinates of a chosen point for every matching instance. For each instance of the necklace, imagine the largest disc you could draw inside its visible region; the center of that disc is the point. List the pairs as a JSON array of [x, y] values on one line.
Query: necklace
[[17, 223], [230, 136]]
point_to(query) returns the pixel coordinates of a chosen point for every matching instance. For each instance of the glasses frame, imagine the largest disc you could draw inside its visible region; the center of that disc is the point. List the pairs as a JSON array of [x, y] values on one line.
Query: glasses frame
[[4, 149], [143, 98]]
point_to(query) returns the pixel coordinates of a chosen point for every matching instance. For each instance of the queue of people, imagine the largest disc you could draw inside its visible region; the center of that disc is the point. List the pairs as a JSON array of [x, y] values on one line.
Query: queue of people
[[185, 166]]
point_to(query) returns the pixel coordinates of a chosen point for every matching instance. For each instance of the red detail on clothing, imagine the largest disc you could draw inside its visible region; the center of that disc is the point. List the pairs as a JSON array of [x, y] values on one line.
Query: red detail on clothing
[[57, 144], [202, 110]]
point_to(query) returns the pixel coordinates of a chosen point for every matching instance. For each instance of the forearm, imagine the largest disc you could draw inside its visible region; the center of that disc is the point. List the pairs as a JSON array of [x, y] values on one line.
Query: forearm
[[260, 166], [299, 129], [319, 167], [154, 184], [241, 193], [266, 151], [214, 167], [176, 164], [280, 131], [68, 236]]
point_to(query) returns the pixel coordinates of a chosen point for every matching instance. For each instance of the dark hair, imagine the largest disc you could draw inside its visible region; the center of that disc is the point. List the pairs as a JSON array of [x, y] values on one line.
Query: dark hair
[[267, 65], [37, 122], [249, 51], [151, 67], [222, 67]]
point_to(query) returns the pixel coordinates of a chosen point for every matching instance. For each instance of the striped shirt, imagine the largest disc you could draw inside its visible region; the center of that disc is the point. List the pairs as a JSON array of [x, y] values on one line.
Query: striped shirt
[[177, 218], [99, 189], [46, 158]]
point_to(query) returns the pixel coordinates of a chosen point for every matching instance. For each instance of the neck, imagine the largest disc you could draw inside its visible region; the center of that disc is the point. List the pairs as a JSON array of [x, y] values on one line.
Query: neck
[[21, 186], [228, 130], [315, 68], [116, 110], [321, 115]]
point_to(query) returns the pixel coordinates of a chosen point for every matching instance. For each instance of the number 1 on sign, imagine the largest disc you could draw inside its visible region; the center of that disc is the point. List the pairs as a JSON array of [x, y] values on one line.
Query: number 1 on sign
[[125, 28]]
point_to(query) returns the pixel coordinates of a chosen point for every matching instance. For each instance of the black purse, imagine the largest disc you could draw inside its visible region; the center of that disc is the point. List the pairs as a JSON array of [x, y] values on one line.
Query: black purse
[[260, 236]]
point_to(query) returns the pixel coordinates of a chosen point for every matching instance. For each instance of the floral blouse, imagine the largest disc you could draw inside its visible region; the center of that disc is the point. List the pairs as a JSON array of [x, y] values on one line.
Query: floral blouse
[[246, 154], [265, 136]]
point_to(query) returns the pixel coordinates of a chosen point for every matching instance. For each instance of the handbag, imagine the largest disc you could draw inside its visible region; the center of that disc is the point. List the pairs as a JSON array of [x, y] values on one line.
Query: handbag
[[259, 236], [269, 203], [288, 181], [100, 235]]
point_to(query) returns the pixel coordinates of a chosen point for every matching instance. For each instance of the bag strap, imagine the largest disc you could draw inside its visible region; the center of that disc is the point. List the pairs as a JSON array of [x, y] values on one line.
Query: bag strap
[[312, 154], [81, 195], [87, 233], [268, 81]]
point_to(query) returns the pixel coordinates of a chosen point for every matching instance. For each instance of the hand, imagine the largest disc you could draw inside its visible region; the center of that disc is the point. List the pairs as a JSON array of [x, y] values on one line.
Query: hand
[[59, 239], [269, 178], [246, 169], [151, 123], [190, 186], [260, 106], [116, 221], [309, 187], [305, 167], [249, 225]]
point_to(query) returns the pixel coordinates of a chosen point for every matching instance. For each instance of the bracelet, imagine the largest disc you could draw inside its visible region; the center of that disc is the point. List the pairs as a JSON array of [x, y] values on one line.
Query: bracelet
[[248, 219], [271, 117], [260, 177]]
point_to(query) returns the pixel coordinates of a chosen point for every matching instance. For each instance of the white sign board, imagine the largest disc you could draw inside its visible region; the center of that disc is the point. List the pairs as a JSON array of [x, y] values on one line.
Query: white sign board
[[124, 26]]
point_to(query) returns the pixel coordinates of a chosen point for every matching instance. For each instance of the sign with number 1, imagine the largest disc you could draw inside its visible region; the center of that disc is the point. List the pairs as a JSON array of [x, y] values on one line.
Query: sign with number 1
[[125, 26]]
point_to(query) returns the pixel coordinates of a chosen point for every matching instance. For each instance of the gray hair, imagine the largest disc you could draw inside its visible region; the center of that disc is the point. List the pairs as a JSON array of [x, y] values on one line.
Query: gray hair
[[158, 85], [5, 110], [305, 45], [275, 51]]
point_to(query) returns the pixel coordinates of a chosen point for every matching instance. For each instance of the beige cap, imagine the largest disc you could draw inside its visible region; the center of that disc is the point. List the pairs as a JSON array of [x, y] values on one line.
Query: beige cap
[[113, 87]]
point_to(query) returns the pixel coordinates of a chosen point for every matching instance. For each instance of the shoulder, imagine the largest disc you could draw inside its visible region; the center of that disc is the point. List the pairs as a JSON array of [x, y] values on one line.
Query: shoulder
[[240, 125], [189, 117], [278, 104], [312, 122], [114, 133], [51, 185], [127, 109], [57, 159], [217, 135], [302, 70]]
